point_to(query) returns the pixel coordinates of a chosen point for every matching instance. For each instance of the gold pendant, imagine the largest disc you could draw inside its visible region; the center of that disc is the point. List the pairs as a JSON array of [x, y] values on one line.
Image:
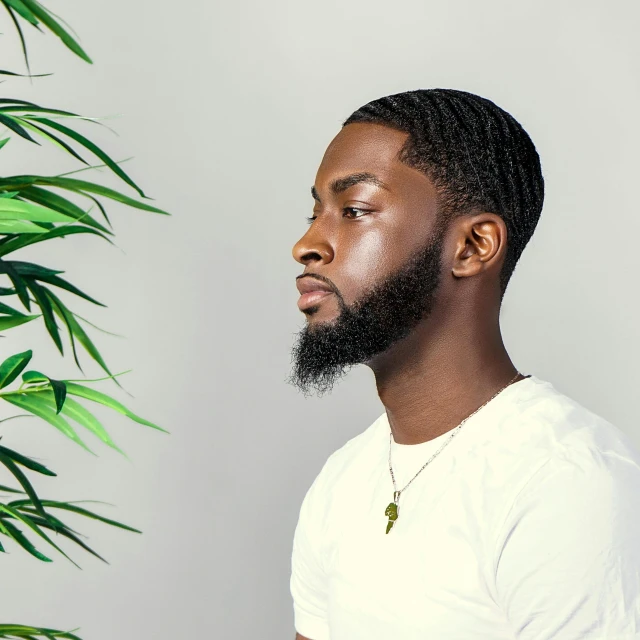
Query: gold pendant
[[392, 511]]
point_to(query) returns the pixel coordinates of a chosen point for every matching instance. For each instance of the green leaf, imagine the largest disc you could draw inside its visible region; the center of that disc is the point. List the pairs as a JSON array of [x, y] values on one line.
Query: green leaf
[[13, 317], [64, 531], [22, 10], [102, 209], [25, 519], [67, 317], [26, 109], [12, 209], [79, 510], [10, 123], [9, 194], [9, 489], [58, 386], [23, 541], [83, 416], [85, 142], [29, 463], [3, 72], [76, 330], [51, 518], [27, 269], [10, 311], [3, 142], [13, 366], [60, 393], [16, 23], [41, 296], [107, 401], [95, 326], [7, 323], [41, 408], [15, 100], [50, 634], [67, 286], [18, 226], [18, 283], [79, 186], [18, 270], [45, 17], [61, 204], [59, 232], [19, 475], [32, 376], [24, 122], [29, 522]]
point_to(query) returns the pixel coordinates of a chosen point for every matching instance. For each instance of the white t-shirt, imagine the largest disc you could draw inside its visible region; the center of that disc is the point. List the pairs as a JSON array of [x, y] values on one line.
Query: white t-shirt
[[526, 526]]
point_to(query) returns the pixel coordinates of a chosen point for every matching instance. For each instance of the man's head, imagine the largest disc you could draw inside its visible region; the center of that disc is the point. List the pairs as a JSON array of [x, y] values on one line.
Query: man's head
[[418, 192]]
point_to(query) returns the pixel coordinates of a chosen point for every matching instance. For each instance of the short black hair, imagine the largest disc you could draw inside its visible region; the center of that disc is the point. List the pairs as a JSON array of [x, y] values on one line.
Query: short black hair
[[476, 154]]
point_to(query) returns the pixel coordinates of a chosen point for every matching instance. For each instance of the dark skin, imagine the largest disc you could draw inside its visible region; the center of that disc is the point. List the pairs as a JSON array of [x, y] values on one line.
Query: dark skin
[[455, 359]]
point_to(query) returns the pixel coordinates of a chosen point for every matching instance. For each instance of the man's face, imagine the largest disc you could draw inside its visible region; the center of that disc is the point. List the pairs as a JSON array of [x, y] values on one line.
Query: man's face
[[374, 246]]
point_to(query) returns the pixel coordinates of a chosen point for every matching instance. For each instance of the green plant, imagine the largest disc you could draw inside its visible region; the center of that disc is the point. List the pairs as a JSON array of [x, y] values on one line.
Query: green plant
[[35, 209]]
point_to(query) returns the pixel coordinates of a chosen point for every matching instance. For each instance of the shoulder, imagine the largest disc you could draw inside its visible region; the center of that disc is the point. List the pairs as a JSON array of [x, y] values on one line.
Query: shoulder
[[358, 448], [345, 461], [566, 554], [563, 453], [549, 429], [543, 452]]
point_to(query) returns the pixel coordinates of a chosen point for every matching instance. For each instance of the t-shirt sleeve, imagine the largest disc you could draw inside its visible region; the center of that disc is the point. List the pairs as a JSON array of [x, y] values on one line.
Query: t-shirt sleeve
[[568, 555], [308, 582]]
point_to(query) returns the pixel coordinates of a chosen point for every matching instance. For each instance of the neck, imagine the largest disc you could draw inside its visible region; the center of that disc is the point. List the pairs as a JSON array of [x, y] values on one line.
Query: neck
[[439, 375]]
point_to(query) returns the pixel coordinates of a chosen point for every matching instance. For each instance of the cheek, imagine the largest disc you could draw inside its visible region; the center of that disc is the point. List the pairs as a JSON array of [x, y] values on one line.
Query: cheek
[[369, 256]]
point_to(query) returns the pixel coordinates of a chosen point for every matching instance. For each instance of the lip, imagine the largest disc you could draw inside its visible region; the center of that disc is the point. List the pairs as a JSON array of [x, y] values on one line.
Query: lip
[[312, 291], [309, 284], [307, 300]]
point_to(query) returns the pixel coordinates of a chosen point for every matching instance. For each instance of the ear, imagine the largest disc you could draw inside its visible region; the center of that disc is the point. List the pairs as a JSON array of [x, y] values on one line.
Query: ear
[[481, 243]]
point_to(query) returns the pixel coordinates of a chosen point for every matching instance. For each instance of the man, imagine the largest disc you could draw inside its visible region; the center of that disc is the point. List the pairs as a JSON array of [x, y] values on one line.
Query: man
[[524, 525]]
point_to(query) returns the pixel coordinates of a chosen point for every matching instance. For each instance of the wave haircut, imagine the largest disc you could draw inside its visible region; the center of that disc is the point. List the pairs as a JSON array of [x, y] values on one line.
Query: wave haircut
[[476, 154]]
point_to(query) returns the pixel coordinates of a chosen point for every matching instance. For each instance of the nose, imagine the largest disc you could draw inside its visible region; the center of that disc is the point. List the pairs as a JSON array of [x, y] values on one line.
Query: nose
[[312, 247]]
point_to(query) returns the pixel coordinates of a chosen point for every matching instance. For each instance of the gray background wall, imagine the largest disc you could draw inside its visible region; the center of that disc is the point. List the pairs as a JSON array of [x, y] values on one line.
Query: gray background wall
[[227, 108]]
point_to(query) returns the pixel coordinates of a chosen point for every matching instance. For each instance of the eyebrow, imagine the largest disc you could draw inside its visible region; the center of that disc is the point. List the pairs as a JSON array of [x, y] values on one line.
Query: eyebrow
[[342, 184]]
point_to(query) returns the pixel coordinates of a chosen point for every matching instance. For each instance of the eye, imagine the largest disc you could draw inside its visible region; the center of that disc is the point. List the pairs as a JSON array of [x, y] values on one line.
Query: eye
[[347, 210], [362, 211]]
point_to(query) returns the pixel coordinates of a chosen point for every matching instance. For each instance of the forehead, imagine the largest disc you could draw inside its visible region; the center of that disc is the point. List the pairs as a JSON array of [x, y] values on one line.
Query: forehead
[[373, 148], [363, 146]]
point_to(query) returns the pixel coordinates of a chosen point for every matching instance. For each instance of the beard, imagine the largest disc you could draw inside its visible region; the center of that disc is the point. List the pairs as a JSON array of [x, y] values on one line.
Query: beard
[[368, 327]]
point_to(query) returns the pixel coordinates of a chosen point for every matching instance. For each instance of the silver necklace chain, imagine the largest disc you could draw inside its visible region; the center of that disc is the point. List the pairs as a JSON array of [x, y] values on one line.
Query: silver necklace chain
[[455, 431]]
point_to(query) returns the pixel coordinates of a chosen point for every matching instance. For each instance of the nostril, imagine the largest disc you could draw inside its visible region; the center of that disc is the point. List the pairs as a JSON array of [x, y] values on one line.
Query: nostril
[[311, 255]]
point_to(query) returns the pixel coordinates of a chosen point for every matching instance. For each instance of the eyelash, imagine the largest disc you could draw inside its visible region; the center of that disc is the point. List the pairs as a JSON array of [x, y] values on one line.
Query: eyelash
[[312, 218]]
